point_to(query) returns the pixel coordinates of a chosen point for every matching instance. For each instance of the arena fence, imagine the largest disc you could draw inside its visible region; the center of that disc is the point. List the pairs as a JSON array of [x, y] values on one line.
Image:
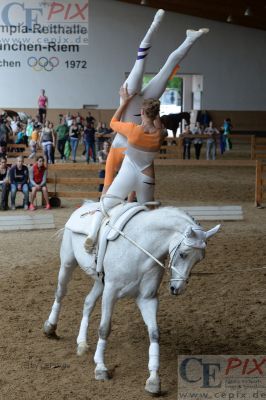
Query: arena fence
[[73, 187], [260, 181]]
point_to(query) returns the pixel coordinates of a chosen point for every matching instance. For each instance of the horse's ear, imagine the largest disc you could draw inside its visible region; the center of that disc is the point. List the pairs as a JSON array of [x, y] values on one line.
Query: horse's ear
[[212, 231]]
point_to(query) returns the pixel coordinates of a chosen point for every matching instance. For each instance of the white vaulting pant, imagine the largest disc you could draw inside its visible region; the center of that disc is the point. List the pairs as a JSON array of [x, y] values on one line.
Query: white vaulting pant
[[130, 178]]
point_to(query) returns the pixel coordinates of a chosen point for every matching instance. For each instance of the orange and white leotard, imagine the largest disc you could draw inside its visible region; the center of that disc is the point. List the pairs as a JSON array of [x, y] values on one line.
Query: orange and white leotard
[[142, 146]]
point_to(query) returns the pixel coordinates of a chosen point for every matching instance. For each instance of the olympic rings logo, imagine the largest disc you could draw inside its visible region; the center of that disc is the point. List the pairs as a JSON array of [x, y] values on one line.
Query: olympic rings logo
[[43, 63]]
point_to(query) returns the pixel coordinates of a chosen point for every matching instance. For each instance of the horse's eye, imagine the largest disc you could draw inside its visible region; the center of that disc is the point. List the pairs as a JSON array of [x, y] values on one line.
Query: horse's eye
[[182, 255]]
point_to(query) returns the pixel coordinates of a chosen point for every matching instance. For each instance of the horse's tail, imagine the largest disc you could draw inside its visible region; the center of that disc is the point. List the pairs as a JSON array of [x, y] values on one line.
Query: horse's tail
[[59, 234]]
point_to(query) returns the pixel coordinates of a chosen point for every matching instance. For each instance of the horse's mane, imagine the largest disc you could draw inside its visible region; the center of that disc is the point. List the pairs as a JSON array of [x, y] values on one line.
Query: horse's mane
[[175, 213]]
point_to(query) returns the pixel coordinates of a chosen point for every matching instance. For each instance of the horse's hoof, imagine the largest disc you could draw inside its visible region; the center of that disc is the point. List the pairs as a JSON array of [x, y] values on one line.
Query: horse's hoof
[[153, 386], [101, 374], [82, 349], [49, 329]]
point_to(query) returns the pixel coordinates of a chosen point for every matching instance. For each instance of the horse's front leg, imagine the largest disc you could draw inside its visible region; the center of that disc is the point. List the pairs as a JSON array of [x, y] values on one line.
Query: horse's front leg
[[89, 305], [148, 308], [108, 301]]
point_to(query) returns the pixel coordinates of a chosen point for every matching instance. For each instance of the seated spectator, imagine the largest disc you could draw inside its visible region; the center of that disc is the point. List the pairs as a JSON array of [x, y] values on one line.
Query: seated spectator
[[38, 175], [4, 183], [19, 177], [47, 141], [89, 140], [102, 156]]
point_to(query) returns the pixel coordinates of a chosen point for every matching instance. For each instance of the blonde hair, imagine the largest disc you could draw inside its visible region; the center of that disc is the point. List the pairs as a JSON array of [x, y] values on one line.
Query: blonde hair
[[151, 108]]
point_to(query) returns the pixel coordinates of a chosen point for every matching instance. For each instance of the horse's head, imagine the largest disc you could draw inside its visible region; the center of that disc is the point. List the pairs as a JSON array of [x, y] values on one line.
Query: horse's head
[[185, 253]]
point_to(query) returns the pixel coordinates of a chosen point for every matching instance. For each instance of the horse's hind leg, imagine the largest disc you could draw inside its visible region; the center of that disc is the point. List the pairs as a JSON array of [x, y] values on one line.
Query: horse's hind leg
[[68, 264], [108, 302], [89, 305], [148, 308]]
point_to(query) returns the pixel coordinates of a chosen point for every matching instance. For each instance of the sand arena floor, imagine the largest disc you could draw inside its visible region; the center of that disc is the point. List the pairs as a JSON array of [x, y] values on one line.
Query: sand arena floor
[[217, 314]]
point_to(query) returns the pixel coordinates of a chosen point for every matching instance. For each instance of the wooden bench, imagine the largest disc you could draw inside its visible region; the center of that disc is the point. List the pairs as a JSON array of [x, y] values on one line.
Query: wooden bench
[[53, 181]]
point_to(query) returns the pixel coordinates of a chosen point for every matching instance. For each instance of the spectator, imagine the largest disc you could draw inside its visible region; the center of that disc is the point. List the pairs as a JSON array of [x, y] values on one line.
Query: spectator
[[227, 129], [29, 129], [102, 156], [48, 142], [38, 175], [4, 183], [74, 139], [15, 125], [89, 140], [62, 136], [5, 131], [101, 130], [211, 141], [90, 119], [69, 119], [19, 177], [3, 148], [186, 143], [198, 141], [42, 105], [22, 137], [35, 137]]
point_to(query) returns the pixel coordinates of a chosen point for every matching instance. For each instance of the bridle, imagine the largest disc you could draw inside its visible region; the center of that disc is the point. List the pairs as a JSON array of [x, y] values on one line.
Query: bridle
[[182, 277]]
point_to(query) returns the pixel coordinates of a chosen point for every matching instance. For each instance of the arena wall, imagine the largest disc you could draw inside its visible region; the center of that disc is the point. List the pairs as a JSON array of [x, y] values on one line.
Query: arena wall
[[230, 58]]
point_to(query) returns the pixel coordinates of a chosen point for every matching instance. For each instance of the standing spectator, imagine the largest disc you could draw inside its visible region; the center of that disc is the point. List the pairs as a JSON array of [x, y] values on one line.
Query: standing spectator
[[198, 141], [90, 119], [29, 129], [35, 137], [89, 140], [62, 136], [74, 139], [48, 142], [186, 143], [227, 129], [15, 124], [22, 137], [5, 131], [42, 105], [19, 177], [211, 141], [4, 183], [38, 175], [69, 119], [102, 156], [102, 130]]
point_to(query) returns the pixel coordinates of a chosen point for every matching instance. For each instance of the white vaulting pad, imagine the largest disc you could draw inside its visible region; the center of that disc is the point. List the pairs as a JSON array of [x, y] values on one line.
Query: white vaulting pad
[[27, 222], [209, 213]]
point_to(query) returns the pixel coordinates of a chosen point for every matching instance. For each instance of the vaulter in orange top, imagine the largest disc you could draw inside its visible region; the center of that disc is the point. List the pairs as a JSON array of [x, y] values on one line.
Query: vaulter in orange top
[[137, 170], [154, 89]]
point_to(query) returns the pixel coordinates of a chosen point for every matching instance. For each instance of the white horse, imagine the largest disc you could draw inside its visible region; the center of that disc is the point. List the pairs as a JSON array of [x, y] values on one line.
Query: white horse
[[130, 272]]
